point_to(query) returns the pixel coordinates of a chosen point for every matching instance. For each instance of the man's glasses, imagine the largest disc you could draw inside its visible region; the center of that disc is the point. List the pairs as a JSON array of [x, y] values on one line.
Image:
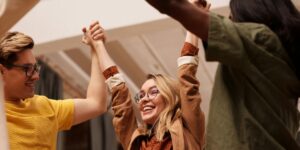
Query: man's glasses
[[152, 93], [29, 69]]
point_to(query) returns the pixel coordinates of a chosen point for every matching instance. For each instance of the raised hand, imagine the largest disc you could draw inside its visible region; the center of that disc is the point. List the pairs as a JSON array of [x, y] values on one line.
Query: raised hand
[[97, 32], [93, 34]]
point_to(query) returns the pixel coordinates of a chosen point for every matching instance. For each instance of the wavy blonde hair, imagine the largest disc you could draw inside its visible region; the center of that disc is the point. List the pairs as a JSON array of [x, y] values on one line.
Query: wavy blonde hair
[[169, 91], [12, 43]]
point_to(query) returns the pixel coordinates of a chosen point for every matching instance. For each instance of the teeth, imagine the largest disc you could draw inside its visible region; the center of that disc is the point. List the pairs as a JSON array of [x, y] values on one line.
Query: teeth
[[147, 108]]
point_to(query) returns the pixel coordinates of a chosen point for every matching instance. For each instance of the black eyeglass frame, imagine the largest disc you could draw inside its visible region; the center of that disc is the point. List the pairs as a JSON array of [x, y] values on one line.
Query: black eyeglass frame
[[29, 69]]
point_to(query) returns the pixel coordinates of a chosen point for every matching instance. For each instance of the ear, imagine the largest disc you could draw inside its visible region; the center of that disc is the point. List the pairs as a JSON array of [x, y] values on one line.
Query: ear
[[2, 68]]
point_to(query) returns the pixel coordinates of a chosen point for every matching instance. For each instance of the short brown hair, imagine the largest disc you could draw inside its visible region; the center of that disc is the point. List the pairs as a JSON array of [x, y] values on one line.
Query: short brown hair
[[12, 43]]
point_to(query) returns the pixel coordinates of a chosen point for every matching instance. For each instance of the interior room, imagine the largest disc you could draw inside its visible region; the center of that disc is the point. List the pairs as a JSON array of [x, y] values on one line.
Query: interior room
[[139, 39]]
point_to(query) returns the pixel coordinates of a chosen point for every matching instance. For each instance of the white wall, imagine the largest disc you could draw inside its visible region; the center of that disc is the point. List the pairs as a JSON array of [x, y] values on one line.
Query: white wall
[[2, 6]]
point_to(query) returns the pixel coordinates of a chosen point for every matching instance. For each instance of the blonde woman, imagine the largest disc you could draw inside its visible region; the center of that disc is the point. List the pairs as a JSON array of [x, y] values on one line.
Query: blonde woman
[[170, 109]]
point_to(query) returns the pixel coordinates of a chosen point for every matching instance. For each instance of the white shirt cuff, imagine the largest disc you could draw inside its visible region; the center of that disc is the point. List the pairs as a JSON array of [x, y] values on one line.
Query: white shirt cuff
[[114, 81], [187, 60]]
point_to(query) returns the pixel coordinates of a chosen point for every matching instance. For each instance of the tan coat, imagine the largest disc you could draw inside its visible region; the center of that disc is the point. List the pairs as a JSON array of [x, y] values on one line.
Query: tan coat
[[187, 130]]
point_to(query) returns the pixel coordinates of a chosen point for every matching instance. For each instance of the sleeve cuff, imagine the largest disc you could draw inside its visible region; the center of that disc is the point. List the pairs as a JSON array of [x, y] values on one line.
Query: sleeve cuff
[[109, 72], [189, 50], [114, 80], [187, 60]]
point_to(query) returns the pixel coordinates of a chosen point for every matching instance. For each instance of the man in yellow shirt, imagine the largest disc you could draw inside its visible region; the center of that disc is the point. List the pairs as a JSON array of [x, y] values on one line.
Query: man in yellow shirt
[[33, 121]]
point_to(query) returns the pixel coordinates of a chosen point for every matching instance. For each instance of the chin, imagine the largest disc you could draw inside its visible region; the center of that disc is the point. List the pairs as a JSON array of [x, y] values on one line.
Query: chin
[[28, 96], [31, 95], [149, 119]]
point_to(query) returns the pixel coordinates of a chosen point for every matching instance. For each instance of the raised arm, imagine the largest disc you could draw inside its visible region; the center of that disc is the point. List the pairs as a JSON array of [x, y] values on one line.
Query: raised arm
[[124, 119], [189, 89], [95, 102], [190, 16], [189, 86]]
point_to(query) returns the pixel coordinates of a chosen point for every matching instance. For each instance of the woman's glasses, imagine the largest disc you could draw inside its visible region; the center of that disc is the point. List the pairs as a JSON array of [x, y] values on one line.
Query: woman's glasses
[[151, 94]]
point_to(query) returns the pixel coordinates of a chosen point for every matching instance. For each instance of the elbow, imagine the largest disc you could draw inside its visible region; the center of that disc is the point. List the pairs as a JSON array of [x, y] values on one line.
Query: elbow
[[98, 106], [98, 111], [98, 102], [101, 110], [101, 106]]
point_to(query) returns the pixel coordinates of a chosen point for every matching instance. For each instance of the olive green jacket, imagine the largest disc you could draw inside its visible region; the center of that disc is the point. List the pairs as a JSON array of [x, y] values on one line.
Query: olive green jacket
[[254, 100]]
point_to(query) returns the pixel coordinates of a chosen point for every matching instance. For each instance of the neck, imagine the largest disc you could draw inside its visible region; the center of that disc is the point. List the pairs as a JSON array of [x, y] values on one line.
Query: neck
[[12, 99], [151, 128]]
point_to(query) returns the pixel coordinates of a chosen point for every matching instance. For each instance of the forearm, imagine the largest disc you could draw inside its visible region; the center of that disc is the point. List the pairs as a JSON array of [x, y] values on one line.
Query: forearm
[[102, 55], [96, 91], [124, 119], [189, 91], [95, 102]]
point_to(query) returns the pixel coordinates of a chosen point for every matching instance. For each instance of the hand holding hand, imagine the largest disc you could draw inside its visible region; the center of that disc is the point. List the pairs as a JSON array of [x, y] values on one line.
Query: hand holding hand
[[95, 33]]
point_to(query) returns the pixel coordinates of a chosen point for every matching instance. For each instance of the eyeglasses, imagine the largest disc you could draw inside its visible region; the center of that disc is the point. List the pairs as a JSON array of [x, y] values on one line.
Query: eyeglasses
[[29, 69], [152, 93]]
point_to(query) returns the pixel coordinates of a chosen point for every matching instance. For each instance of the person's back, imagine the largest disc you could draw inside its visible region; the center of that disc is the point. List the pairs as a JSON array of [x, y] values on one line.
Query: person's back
[[254, 99], [255, 95], [261, 111], [281, 16]]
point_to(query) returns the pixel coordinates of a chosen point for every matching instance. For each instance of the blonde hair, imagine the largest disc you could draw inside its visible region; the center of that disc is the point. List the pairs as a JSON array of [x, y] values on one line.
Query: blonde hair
[[12, 43], [169, 91]]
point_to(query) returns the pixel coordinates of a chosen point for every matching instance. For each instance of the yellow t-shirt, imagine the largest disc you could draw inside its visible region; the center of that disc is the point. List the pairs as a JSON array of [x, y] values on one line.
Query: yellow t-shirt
[[33, 123]]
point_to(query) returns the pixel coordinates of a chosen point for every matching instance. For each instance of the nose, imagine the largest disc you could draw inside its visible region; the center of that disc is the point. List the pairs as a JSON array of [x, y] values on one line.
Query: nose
[[145, 99], [35, 76]]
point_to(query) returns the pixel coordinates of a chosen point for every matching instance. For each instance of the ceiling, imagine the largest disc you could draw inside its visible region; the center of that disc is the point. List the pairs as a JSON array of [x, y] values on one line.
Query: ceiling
[[138, 49]]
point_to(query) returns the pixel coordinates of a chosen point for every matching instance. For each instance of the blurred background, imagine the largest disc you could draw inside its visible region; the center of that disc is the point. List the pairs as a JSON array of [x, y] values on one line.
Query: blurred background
[[139, 39]]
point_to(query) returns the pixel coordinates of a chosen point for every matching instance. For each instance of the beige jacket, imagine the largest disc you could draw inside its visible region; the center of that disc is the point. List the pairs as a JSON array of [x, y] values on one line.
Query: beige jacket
[[187, 130]]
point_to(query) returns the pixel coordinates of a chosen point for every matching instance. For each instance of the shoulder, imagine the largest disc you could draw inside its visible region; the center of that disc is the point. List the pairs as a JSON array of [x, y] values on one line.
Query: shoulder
[[257, 32], [38, 99], [263, 37], [252, 30], [246, 32], [44, 101]]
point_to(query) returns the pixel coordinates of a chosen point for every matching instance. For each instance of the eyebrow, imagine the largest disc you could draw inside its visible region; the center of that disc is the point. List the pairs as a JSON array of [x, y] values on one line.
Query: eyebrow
[[28, 64], [154, 86]]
